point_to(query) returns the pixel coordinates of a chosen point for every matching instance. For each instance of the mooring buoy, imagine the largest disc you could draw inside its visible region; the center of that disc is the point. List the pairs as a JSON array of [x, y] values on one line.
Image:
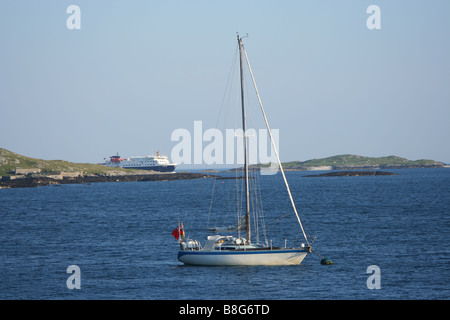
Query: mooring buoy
[[326, 261]]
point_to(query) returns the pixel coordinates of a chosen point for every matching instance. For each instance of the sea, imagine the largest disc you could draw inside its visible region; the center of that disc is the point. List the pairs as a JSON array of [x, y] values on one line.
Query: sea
[[388, 238]]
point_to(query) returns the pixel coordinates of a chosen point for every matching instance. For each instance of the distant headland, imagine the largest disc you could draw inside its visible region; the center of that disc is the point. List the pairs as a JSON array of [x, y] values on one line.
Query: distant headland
[[355, 162], [17, 171]]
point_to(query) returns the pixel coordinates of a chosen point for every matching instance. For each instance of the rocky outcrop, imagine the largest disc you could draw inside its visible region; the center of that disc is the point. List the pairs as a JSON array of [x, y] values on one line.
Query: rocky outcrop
[[353, 174], [35, 181]]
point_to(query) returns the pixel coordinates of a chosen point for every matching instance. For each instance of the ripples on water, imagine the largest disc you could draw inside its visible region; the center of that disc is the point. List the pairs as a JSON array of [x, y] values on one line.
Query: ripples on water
[[119, 234]]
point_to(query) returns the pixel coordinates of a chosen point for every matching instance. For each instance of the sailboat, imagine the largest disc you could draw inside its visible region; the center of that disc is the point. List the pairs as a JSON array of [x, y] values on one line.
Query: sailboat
[[231, 250]]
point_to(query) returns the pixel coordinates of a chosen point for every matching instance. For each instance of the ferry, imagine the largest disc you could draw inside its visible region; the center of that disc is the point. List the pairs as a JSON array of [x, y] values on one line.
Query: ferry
[[155, 163]]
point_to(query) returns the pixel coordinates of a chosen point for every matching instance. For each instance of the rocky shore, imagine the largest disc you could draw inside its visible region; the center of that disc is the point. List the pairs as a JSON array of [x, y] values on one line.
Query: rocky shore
[[352, 174], [42, 180]]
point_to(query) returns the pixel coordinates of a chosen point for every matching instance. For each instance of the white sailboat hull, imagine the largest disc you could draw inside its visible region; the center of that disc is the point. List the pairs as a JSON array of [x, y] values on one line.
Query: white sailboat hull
[[242, 258]]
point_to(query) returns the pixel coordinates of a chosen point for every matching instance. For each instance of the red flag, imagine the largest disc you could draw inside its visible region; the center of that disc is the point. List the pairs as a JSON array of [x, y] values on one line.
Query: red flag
[[177, 232]]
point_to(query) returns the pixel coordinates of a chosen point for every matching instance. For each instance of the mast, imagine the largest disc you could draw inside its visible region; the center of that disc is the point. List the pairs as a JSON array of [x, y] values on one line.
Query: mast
[[247, 192]]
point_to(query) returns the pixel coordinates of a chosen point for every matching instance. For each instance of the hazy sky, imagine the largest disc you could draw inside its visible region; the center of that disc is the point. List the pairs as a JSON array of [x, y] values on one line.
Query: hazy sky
[[138, 70]]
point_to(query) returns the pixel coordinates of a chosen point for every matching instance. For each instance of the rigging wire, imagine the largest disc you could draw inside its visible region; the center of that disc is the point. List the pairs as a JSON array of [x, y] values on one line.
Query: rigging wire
[[274, 147], [256, 203], [228, 86], [225, 101], [211, 202]]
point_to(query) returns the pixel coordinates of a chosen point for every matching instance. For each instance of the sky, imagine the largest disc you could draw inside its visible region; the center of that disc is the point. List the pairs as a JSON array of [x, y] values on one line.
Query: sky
[[136, 71]]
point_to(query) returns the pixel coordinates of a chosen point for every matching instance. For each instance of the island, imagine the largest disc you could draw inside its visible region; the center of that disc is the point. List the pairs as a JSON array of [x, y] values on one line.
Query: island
[[17, 171], [355, 162]]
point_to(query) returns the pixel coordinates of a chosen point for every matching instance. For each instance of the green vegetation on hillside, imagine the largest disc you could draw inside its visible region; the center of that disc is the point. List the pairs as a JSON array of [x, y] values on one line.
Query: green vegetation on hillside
[[10, 161], [350, 160]]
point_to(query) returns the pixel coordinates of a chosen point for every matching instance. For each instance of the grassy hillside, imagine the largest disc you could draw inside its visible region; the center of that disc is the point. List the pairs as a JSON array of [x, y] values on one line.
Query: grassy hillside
[[10, 161], [350, 160]]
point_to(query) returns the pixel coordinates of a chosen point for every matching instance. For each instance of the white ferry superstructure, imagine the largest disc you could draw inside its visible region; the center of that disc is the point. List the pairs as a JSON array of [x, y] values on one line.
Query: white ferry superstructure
[[156, 163]]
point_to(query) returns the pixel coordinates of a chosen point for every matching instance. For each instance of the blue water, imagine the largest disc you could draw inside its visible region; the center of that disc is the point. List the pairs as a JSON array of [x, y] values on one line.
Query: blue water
[[119, 234]]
